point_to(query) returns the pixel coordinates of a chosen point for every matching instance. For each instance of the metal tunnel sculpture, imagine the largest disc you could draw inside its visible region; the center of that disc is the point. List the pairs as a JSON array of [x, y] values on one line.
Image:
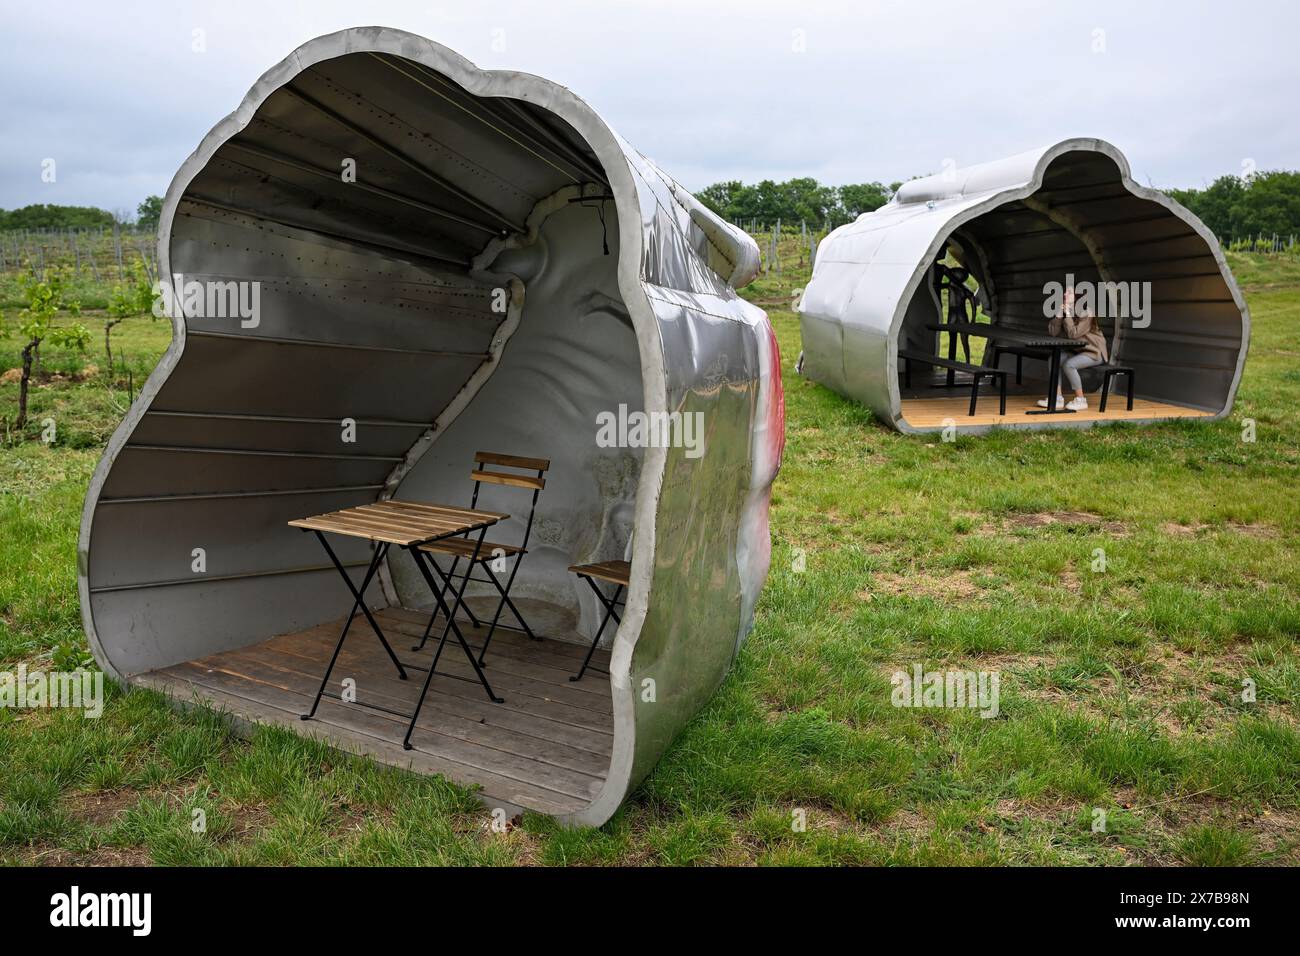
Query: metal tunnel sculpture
[[1070, 210], [442, 259]]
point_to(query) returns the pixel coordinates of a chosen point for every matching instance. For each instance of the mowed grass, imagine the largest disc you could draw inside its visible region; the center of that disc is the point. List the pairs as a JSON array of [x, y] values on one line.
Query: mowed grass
[[1121, 690]]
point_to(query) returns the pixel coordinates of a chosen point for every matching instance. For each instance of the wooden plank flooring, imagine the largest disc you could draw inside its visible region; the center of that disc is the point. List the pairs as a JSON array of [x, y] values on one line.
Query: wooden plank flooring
[[546, 748], [931, 412]]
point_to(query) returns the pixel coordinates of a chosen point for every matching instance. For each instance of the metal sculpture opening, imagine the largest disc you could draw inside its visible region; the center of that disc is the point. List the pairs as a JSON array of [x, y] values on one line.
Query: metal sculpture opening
[[445, 259]]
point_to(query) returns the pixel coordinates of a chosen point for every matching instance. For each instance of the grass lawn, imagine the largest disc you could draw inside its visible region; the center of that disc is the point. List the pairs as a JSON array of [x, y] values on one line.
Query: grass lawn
[[1121, 690]]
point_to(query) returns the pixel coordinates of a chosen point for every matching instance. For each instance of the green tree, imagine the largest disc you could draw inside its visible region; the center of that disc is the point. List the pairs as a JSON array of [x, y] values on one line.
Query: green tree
[[857, 198], [45, 300], [1266, 204], [762, 201], [127, 299], [720, 196], [1213, 205], [149, 212], [1270, 205], [806, 200], [802, 199]]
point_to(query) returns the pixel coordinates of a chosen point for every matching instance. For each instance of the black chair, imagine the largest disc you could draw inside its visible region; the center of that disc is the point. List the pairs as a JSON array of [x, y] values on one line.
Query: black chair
[[617, 573], [490, 551], [1108, 373]]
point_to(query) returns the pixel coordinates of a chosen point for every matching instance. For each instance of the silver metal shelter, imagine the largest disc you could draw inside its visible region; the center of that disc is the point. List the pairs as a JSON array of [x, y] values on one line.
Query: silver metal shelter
[[1071, 209], [445, 258]]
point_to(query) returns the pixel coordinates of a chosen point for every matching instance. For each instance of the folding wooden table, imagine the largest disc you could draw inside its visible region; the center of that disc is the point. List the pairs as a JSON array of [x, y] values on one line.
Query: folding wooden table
[[406, 524]]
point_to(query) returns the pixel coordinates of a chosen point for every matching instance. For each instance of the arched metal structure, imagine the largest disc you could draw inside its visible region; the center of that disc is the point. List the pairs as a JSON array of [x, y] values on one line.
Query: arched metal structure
[[1016, 224], [501, 269]]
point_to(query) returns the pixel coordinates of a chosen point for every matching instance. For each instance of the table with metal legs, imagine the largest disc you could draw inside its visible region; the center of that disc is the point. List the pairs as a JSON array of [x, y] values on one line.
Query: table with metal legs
[[1052, 344], [406, 524]]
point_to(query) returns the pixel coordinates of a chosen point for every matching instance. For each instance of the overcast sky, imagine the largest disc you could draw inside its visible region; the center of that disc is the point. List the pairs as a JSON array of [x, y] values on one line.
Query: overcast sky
[[846, 92]]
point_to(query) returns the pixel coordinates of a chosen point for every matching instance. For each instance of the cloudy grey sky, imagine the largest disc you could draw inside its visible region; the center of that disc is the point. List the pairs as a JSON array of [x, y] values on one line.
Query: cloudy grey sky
[[845, 92]]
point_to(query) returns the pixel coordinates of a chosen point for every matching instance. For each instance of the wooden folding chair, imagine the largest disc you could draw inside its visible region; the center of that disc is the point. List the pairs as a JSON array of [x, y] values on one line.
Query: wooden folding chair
[[617, 573], [485, 465]]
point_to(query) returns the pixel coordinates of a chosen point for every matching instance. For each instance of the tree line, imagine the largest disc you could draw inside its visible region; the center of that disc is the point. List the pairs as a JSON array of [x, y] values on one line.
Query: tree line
[[48, 216], [1241, 207], [796, 200], [1233, 207]]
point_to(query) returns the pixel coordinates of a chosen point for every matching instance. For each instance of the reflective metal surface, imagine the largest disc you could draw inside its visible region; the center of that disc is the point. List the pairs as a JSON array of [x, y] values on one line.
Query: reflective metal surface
[[1070, 209], [456, 295]]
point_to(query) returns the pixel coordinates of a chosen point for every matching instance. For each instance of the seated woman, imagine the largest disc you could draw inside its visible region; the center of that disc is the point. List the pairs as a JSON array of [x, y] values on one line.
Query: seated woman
[[1073, 323]]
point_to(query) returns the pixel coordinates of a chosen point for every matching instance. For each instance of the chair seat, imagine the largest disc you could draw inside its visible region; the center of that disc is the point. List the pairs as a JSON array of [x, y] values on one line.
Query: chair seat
[[615, 572], [464, 548]]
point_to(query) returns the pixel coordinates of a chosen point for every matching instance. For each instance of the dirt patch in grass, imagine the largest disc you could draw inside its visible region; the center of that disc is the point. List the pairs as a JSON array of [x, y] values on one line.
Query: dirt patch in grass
[[1173, 690], [102, 808], [1195, 528], [1274, 834], [1277, 832], [1069, 519], [953, 585], [905, 822], [1015, 664], [45, 379], [1151, 838], [525, 847], [246, 821], [1010, 807], [1070, 579], [45, 855], [354, 820], [1021, 522]]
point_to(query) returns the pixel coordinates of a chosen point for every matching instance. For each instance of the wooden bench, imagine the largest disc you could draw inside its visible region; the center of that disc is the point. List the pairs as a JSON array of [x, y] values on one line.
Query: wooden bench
[[977, 372]]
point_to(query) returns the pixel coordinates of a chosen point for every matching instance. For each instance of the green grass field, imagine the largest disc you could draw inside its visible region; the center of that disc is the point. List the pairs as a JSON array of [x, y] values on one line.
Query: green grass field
[[1120, 690]]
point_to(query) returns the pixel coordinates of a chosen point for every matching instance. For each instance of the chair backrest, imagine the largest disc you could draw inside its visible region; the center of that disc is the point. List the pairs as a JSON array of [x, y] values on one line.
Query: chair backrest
[[487, 469]]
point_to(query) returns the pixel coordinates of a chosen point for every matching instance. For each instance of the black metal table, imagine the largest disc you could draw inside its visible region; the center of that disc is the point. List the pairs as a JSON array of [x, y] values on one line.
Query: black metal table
[[406, 524], [1030, 340]]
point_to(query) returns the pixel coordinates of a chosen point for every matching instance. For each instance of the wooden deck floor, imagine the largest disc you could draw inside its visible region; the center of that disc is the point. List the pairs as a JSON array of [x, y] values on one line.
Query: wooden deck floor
[[546, 748], [931, 412]]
